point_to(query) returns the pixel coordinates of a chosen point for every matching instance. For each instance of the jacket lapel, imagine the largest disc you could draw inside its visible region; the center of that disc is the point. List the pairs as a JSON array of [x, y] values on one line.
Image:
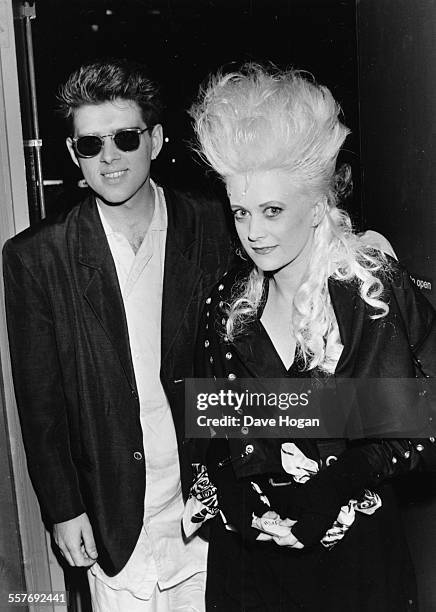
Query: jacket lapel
[[350, 315], [182, 276], [99, 282], [259, 355]]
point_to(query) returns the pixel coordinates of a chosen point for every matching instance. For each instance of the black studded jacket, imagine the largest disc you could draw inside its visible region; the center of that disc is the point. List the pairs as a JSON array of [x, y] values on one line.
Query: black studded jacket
[[400, 345]]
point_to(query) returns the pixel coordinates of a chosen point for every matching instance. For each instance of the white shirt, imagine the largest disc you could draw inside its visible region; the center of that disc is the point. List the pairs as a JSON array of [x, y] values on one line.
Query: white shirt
[[160, 556]]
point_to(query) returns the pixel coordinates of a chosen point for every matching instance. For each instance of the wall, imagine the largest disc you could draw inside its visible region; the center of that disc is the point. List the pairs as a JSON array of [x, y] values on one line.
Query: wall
[[397, 92]]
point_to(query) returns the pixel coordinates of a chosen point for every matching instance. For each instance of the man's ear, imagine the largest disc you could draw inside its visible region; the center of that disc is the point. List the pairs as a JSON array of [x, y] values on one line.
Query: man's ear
[[318, 211], [69, 143], [156, 140]]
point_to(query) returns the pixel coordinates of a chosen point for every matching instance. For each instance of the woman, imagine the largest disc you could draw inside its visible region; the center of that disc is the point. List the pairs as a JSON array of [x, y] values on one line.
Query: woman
[[312, 300]]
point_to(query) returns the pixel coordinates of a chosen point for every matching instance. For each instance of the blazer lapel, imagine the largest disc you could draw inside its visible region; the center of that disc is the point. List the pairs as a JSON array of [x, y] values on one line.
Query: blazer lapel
[[99, 282], [181, 275]]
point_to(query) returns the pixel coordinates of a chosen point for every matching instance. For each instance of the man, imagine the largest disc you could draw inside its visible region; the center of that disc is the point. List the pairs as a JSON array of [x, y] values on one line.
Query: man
[[103, 304]]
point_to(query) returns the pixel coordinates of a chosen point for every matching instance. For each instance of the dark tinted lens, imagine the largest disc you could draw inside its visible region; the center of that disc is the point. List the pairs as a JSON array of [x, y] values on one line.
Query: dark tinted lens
[[88, 146], [127, 140]]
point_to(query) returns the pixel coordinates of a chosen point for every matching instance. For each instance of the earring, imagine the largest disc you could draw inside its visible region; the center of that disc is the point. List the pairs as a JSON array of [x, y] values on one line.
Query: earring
[[240, 254]]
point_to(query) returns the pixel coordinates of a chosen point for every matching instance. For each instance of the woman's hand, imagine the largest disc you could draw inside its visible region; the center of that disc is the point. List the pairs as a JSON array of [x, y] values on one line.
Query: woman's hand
[[263, 535], [288, 540]]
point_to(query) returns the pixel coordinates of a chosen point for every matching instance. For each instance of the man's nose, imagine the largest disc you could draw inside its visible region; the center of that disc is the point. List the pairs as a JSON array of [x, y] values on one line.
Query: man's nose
[[256, 229], [109, 150]]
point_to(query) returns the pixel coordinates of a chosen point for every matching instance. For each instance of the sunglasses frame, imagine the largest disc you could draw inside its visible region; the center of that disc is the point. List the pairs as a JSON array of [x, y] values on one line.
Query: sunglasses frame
[[138, 131]]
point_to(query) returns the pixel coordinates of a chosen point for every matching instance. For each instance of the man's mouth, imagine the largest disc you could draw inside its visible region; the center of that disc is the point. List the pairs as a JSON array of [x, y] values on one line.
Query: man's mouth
[[114, 175]]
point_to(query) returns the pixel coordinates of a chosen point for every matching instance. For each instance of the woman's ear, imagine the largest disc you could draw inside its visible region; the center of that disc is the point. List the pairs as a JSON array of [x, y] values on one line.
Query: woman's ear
[[318, 211]]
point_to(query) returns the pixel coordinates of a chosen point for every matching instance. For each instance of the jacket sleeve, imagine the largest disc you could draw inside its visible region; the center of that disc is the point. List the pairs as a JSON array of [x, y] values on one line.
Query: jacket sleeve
[[237, 498], [371, 462], [39, 391], [366, 465]]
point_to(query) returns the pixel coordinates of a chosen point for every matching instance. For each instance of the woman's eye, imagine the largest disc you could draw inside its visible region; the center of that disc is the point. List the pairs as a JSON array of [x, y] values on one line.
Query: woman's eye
[[273, 211], [239, 213]]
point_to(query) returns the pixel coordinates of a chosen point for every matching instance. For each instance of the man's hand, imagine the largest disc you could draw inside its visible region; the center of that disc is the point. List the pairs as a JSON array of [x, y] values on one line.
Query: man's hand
[[76, 541]]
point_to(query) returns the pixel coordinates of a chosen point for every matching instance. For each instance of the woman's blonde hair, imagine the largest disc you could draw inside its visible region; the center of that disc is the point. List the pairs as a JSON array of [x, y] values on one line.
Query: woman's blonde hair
[[258, 120]]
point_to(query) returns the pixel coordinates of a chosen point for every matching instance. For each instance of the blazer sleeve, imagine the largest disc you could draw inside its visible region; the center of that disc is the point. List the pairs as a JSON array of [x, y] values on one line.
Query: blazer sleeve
[[39, 391]]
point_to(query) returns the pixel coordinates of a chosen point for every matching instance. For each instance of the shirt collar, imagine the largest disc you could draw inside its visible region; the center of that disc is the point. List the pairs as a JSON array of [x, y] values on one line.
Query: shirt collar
[[159, 220]]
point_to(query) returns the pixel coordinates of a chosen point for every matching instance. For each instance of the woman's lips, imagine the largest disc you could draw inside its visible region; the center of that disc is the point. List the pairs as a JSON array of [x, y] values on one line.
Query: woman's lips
[[263, 250]]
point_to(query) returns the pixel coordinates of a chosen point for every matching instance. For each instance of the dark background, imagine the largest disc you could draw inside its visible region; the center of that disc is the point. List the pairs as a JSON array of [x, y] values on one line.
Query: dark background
[[181, 42]]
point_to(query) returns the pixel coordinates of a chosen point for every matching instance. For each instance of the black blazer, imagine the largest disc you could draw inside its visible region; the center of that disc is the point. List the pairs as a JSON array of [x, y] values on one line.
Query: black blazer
[[72, 367]]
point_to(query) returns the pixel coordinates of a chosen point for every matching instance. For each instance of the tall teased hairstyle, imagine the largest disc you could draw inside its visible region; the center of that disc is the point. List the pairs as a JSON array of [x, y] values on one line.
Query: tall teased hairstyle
[[257, 120], [104, 81]]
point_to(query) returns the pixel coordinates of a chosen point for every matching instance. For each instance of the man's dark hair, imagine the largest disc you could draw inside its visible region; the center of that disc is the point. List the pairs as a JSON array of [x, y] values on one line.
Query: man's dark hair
[[104, 81]]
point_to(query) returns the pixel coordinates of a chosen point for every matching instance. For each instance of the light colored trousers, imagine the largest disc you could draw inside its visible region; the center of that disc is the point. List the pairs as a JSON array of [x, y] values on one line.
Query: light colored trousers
[[187, 596]]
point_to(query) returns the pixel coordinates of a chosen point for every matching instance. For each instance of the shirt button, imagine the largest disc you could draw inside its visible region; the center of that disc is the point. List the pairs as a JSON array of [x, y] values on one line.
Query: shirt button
[[431, 440], [228, 355], [137, 455], [231, 376], [239, 411], [220, 287], [249, 449], [244, 430], [206, 343], [208, 301], [419, 448]]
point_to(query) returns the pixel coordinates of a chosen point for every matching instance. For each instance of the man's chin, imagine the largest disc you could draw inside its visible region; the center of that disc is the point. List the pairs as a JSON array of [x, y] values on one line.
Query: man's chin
[[111, 200]]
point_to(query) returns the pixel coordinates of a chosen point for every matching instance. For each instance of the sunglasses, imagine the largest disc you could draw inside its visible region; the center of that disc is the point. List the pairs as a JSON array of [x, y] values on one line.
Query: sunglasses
[[125, 139]]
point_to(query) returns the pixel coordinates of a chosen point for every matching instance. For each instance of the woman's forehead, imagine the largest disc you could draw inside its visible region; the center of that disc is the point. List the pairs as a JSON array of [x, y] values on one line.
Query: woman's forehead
[[259, 187]]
